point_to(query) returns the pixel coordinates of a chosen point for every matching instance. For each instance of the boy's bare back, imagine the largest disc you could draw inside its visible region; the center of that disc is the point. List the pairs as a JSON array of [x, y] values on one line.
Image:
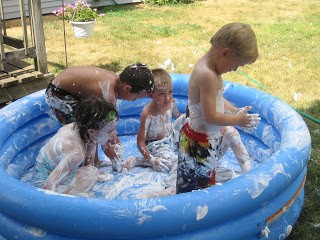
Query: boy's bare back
[[86, 81]]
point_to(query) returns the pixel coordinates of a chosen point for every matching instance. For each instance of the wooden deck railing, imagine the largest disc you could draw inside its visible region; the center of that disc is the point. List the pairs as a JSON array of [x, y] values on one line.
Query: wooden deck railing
[[17, 77]]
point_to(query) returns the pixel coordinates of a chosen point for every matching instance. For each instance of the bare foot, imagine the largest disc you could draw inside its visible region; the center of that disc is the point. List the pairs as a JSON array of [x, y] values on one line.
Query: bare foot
[[104, 177], [135, 161], [163, 193]]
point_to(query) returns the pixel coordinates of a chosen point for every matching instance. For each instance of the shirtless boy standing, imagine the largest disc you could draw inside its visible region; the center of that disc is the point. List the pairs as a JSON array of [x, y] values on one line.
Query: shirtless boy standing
[[201, 139]]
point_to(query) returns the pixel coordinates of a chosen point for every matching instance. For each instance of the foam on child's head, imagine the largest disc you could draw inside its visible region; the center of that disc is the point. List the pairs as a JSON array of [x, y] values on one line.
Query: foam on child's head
[[162, 78], [139, 77], [161, 84]]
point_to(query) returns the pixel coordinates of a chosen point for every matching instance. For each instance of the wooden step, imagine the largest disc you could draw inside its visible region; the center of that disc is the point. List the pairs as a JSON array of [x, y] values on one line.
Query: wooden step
[[19, 79]]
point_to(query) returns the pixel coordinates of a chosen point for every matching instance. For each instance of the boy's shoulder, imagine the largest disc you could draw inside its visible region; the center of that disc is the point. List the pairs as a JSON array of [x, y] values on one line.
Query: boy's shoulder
[[146, 110], [207, 74]]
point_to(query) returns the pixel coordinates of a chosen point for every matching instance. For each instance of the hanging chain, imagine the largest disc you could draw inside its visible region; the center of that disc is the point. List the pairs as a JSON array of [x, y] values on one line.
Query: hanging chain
[[64, 34]]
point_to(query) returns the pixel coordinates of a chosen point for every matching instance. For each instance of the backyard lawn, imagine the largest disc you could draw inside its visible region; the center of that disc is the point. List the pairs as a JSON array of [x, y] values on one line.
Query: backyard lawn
[[288, 34]]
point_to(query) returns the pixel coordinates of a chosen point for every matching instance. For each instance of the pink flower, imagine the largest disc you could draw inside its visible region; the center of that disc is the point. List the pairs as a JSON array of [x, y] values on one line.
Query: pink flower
[[71, 6], [79, 11]]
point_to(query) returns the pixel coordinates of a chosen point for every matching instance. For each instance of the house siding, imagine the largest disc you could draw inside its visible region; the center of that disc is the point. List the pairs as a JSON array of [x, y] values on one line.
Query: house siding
[[12, 7]]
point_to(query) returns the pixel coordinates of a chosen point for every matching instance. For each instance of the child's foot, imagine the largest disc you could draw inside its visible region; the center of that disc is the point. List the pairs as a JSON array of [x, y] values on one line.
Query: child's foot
[[104, 177], [165, 192], [130, 163]]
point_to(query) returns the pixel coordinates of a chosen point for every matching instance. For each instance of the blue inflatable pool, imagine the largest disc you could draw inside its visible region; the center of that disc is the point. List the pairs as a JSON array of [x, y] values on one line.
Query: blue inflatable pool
[[261, 204]]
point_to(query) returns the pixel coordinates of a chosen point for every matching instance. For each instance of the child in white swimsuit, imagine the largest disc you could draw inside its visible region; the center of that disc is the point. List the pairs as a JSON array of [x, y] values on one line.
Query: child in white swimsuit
[[155, 136]]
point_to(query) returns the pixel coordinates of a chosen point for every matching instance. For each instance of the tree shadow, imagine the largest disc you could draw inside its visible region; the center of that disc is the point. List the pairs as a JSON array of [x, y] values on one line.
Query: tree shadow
[[57, 66], [311, 114], [118, 7], [113, 66]]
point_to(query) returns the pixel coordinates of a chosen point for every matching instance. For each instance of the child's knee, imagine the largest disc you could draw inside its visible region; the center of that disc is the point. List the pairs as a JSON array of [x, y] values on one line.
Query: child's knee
[[230, 132]]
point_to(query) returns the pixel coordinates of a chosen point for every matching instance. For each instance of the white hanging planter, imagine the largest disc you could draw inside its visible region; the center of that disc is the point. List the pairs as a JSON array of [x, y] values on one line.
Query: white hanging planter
[[82, 29]]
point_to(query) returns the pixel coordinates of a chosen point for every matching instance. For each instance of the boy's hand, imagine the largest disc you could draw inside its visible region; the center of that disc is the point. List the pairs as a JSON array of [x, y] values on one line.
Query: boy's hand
[[254, 119], [254, 122], [243, 119], [160, 164], [245, 109], [117, 165], [131, 162]]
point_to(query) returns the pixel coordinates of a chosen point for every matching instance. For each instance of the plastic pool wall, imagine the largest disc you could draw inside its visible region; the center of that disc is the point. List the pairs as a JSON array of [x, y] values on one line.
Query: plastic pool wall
[[264, 203]]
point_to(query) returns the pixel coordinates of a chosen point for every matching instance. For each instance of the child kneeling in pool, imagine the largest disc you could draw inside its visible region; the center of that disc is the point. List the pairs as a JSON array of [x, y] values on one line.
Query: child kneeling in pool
[[63, 157]]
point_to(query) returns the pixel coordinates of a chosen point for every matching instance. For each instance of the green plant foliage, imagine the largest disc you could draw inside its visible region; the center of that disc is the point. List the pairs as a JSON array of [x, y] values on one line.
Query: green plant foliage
[[80, 11], [164, 2]]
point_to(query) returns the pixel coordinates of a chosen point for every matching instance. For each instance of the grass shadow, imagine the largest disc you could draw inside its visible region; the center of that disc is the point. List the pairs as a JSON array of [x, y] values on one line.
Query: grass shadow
[[113, 66], [313, 109], [119, 7], [57, 66]]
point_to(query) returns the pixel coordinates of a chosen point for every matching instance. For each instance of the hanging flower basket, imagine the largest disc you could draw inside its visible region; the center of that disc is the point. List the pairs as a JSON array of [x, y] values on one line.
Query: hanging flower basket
[[82, 29], [81, 16]]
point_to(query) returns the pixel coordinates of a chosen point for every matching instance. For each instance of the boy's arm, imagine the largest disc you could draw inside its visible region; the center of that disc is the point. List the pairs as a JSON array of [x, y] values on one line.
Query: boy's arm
[[208, 91], [141, 137], [254, 118], [114, 150], [230, 108]]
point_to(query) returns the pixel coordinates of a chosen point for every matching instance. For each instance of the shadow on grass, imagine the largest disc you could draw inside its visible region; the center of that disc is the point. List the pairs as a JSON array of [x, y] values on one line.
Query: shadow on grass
[[119, 7], [57, 66], [113, 66], [313, 110], [308, 224]]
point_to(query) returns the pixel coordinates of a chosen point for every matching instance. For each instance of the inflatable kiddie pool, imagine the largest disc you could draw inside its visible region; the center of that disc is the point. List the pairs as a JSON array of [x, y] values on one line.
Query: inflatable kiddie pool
[[263, 203]]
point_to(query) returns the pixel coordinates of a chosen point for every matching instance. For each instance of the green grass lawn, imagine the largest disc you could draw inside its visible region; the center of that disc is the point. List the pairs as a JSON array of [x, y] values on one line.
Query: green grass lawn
[[288, 35]]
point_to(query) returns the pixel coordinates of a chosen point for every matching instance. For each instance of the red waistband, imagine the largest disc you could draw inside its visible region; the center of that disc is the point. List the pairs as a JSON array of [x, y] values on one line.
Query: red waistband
[[199, 137]]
